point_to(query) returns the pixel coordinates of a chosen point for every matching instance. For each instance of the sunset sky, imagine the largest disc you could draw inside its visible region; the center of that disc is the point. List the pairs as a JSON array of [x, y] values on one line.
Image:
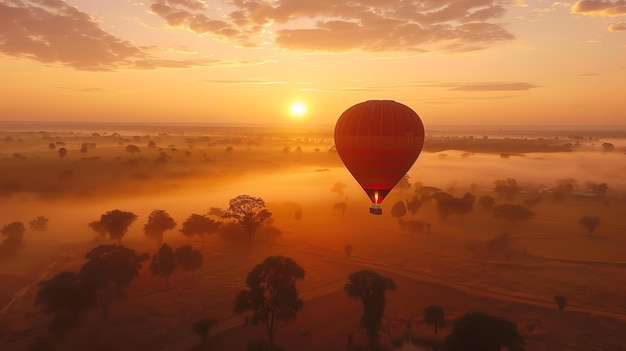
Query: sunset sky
[[468, 62]]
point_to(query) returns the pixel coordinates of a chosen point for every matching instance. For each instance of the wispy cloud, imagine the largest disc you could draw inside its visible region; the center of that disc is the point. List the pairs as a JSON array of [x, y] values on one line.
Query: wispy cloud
[[335, 26], [600, 7], [618, 27], [458, 86], [51, 31], [492, 86]]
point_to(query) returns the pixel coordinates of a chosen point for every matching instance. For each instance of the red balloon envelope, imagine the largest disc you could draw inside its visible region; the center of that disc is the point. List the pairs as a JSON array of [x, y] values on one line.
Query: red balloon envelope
[[378, 141]]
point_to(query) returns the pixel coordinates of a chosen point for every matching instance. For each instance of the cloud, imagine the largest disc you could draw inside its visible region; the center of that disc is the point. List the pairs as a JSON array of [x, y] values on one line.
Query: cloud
[[52, 31], [600, 7], [335, 26], [492, 86], [618, 27]]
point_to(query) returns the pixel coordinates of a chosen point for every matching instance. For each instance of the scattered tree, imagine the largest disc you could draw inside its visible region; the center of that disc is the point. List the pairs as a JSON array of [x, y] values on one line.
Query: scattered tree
[[272, 296], [608, 147], [189, 258], [507, 188], [512, 213], [340, 208], [404, 183], [117, 222], [99, 228], [62, 152], [132, 149], [532, 201], [248, 211], [434, 315], [477, 331], [413, 205], [164, 263], [370, 288], [203, 327], [398, 210], [199, 225], [337, 188], [561, 301], [39, 224], [13, 237], [109, 270], [348, 250], [589, 223], [159, 221]]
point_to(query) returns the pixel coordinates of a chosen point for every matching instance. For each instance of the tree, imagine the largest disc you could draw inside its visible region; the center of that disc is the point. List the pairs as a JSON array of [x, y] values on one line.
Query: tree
[[530, 202], [39, 224], [589, 223], [271, 296], [117, 222], [413, 205], [164, 263], [337, 188], [62, 152], [13, 237], [132, 149], [248, 211], [99, 228], [398, 210], [109, 270], [159, 221], [447, 205], [189, 258], [348, 250], [477, 331], [512, 213], [52, 146], [199, 225], [434, 315], [340, 208], [202, 327], [65, 297], [404, 183], [506, 188], [560, 302], [608, 147], [486, 202], [370, 288]]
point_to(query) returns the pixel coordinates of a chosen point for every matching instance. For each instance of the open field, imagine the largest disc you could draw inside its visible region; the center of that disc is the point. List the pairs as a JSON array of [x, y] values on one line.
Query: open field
[[190, 170]]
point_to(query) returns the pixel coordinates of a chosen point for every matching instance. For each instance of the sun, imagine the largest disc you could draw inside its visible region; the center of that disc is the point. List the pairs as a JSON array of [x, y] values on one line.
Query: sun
[[297, 109]]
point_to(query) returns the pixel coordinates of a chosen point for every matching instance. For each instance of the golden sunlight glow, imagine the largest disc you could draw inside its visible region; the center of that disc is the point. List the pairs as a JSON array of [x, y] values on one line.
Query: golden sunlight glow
[[297, 109]]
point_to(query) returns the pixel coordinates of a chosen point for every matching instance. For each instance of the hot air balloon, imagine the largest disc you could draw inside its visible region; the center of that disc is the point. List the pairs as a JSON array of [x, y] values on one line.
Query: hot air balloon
[[378, 142]]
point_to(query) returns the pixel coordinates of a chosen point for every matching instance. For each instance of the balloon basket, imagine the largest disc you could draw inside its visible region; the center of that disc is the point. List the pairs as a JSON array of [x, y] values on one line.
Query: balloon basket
[[376, 210]]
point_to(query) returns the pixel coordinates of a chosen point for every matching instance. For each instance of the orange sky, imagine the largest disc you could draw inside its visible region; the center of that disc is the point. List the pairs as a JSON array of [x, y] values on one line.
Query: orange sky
[[508, 62]]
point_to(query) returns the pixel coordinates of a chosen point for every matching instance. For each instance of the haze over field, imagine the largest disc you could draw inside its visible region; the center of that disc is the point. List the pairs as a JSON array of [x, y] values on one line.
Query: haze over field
[[463, 261]]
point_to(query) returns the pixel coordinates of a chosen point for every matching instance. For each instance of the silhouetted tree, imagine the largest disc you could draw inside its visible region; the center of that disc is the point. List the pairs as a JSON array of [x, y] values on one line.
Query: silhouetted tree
[[117, 222], [65, 297], [370, 288], [486, 202], [297, 214], [203, 327], [477, 331], [62, 152], [434, 315], [561, 301], [189, 258], [404, 183], [164, 263], [132, 149], [507, 188], [398, 210], [271, 296], [530, 202], [152, 144], [599, 189], [39, 224], [608, 147], [589, 223], [52, 146], [340, 208], [512, 213], [413, 205], [248, 211], [562, 191], [109, 270], [159, 221], [199, 225], [337, 188], [216, 212], [99, 228], [447, 205], [348, 250], [13, 237]]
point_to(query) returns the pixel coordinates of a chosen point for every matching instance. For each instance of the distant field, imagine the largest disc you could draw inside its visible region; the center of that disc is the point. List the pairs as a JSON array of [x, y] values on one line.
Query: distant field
[[190, 171]]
